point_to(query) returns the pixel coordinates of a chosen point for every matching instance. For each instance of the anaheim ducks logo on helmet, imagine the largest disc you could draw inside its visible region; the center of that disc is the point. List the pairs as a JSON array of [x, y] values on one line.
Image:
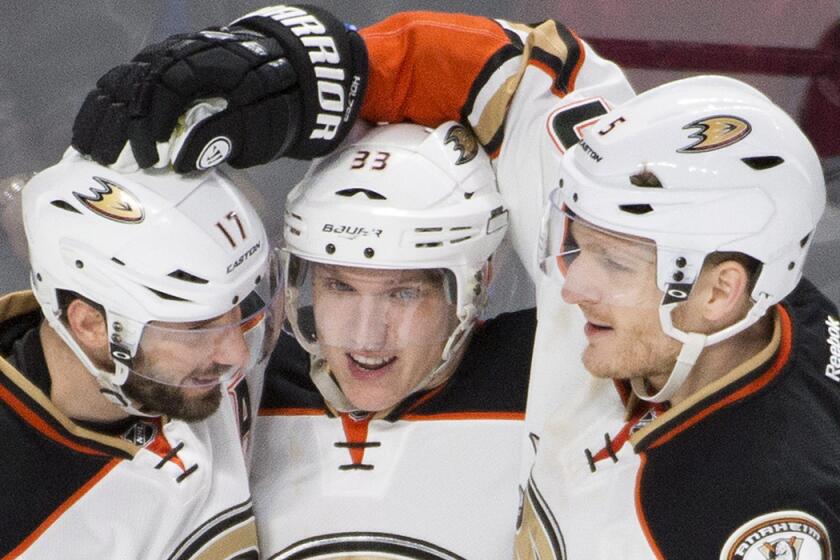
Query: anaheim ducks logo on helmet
[[112, 201], [715, 133], [464, 142]]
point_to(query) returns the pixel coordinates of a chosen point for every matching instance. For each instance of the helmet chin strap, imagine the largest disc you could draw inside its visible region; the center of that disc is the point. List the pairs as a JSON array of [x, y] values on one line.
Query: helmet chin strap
[[692, 345], [319, 372], [453, 347], [110, 383]]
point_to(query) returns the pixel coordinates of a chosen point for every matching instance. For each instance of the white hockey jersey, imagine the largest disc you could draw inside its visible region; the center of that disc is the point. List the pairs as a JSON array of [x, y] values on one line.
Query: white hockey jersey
[[436, 478]]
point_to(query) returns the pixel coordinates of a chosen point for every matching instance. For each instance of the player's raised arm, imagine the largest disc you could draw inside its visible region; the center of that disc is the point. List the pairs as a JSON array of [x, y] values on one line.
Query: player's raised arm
[[428, 67], [290, 80]]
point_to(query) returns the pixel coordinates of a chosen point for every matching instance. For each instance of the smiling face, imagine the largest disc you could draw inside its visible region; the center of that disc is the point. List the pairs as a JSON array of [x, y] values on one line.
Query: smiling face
[[613, 281], [381, 331], [180, 366]]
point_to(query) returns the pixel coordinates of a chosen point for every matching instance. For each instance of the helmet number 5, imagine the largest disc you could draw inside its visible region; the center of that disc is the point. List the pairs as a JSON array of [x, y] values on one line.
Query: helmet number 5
[[567, 123]]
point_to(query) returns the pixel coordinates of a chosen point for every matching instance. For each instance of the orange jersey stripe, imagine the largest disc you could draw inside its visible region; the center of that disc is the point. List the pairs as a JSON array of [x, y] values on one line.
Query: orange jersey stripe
[[27, 542], [410, 80], [41, 425], [356, 431], [467, 416], [640, 514], [578, 65], [291, 412]]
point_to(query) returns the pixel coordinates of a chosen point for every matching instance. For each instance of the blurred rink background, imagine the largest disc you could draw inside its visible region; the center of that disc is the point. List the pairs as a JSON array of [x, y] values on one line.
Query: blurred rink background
[[53, 52]]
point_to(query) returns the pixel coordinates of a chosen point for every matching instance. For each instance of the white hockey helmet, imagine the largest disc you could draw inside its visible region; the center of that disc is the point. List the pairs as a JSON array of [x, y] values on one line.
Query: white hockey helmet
[[151, 248], [697, 166], [402, 197]]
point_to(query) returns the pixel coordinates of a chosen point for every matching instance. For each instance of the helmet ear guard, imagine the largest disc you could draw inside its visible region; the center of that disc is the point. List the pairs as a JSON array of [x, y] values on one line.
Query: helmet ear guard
[[401, 197], [699, 166]]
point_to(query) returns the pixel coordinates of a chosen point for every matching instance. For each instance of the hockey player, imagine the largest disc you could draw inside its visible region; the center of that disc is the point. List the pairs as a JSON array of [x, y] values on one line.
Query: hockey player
[[529, 94], [681, 229], [391, 383], [127, 374]]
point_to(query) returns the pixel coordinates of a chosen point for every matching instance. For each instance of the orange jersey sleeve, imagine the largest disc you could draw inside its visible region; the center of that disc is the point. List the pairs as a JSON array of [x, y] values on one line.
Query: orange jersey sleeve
[[423, 65]]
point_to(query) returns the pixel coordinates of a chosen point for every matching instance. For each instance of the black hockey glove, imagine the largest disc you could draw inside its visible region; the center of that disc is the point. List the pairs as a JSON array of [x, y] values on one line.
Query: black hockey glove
[[282, 81]]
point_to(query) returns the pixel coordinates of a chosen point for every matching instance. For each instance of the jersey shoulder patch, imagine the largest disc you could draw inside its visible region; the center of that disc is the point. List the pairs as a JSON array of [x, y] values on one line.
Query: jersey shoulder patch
[[780, 534]]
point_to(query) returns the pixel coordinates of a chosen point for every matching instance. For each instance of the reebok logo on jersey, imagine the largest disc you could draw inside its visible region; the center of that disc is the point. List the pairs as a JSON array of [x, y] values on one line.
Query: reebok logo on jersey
[[832, 370]]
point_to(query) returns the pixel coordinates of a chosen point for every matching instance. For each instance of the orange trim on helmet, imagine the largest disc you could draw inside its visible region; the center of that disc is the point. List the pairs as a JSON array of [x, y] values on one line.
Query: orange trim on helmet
[[252, 321]]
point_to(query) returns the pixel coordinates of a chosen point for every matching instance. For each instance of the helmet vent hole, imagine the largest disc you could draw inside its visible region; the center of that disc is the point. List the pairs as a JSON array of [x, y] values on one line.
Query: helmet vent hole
[[65, 206], [373, 195], [117, 261], [791, 265], [636, 208], [760, 163], [432, 244], [460, 239], [294, 231], [186, 277], [646, 179], [428, 229], [164, 295], [804, 240]]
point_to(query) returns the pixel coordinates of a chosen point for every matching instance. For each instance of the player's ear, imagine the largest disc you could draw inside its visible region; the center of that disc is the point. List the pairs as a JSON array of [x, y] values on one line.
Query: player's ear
[[87, 325], [725, 292]]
